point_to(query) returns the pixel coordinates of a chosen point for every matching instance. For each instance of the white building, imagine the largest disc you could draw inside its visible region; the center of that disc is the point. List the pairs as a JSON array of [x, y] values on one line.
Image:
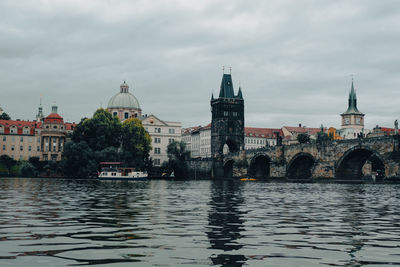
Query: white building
[[198, 139], [162, 134]]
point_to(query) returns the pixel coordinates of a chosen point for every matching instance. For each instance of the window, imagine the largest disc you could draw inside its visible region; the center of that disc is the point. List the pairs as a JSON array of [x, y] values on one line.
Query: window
[[1, 129], [45, 157], [38, 148], [13, 130], [126, 115], [55, 127], [47, 126], [21, 148], [38, 139], [26, 130], [30, 148], [157, 150], [171, 140], [157, 162], [4, 147], [115, 113], [4, 138], [157, 130], [21, 139], [12, 148], [226, 113], [171, 131], [234, 114], [157, 140]]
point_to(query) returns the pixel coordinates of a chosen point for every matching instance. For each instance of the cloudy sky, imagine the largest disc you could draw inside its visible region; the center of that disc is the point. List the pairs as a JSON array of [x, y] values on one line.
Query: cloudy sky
[[294, 59]]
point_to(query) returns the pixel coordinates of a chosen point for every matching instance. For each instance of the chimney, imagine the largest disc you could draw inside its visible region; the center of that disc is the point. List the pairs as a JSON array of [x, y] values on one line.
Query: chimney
[[299, 125]]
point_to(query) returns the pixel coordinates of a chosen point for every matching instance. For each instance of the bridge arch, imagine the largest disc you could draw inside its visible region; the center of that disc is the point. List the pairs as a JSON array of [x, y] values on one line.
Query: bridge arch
[[260, 166], [351, 164], [301, 166], [228, 168]]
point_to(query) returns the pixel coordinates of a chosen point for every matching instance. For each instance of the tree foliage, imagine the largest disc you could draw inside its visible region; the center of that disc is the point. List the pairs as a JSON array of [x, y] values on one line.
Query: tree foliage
[[136, 142], [303, 138], [99, 132], [177, 155], [5, 116], [7, 162], [105, 138]]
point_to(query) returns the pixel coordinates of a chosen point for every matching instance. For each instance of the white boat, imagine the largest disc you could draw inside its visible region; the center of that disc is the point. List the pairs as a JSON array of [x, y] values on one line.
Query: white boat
[[112, 171]]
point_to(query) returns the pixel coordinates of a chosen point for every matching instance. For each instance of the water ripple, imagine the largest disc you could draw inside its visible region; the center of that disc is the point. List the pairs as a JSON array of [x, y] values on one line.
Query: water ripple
[[197, 223]]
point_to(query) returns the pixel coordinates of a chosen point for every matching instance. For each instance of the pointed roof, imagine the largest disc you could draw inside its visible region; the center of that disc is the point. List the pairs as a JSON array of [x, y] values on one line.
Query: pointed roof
[[352, 109], [226, 90], [240, 95]]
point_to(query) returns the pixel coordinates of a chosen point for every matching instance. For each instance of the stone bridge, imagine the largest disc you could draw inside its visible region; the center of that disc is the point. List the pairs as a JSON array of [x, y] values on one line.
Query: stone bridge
[[374, 157]]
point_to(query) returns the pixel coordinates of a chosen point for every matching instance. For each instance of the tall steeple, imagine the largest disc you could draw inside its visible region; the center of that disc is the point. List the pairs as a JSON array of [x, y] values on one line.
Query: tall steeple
[[40, 116], [226, 90], [352, 108], [352, 119]]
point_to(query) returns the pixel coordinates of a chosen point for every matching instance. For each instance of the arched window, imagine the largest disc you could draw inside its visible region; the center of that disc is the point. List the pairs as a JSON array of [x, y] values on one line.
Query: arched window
[[26, 130], [13, 129], [126, 115]]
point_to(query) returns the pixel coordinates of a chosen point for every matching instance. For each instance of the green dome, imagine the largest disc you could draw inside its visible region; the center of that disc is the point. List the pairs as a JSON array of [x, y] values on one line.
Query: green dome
[[124, 99]]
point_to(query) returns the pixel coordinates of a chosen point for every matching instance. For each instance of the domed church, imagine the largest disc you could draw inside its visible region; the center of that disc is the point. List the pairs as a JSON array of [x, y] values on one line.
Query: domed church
[[124, 104]]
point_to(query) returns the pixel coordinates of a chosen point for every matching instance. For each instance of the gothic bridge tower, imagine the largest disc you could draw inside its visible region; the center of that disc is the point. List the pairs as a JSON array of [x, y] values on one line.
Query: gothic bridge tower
[[227, 124]]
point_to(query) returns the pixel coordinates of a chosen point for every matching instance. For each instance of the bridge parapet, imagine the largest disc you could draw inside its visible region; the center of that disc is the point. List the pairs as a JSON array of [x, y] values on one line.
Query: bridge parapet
[[329, 159]]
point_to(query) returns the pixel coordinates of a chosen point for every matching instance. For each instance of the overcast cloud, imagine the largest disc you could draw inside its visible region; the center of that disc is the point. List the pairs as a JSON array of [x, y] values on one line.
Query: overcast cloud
[[294, 59]]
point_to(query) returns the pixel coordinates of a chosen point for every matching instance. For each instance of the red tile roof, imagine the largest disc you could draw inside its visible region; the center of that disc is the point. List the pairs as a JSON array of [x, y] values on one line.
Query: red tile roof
[[54, 118], [311, 131], [8, 123], [262, 132]]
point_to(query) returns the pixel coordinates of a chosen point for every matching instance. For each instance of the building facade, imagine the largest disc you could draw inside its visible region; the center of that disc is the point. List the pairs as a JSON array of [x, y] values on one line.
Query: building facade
[[227, 119], [162, 134], [198, 139], [44, 139]]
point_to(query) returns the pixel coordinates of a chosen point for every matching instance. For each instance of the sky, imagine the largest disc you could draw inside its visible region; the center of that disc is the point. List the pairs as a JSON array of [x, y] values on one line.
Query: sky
[[294, 59]]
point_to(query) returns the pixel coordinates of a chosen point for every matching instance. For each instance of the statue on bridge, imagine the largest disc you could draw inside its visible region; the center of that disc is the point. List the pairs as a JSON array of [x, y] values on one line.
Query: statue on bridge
[[396, 127]]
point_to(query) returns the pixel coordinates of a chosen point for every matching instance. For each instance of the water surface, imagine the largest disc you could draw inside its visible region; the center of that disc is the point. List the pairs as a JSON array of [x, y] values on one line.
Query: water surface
[[46, 222]]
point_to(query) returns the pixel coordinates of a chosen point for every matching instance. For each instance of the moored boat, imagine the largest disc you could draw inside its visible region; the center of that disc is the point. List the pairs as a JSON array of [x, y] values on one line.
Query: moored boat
[[113, 171]]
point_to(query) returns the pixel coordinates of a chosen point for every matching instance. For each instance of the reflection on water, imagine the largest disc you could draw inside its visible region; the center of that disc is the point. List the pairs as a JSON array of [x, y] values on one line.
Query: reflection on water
[[226, 222], [197, 223]]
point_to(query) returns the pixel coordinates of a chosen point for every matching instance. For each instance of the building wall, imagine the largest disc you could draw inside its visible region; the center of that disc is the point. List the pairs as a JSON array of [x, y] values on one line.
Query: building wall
[[162, 133], [125, 113]]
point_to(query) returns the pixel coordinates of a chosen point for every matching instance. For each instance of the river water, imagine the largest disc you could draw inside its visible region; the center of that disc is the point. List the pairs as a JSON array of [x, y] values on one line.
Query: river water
[[54, 222]]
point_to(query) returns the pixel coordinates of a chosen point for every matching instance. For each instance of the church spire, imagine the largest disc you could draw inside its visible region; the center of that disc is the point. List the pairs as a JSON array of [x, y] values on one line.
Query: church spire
[[226, 90], [240, 95], [352, 108]]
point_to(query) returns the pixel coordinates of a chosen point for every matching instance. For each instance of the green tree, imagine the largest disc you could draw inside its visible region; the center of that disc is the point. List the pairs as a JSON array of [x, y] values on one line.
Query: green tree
[[177, 156], [27, 169], [99, 132], [8, 162], [136, 142], [79, 159], [303, 138], [35, 161], [5, 116]]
